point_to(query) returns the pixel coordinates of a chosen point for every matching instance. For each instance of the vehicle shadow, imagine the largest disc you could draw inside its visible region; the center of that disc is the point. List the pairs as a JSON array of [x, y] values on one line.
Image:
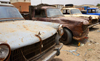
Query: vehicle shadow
[[93, 29], [75, 43], [56, 59]]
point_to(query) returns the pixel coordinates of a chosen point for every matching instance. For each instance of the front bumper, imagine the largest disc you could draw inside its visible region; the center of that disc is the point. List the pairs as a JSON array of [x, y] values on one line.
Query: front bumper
[[80, 38], [46, 55], [83, 36], [50, 55], [92, 25]]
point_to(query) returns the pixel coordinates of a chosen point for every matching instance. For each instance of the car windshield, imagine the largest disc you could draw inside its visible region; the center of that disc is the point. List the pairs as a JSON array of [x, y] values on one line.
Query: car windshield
[[54, 13], [97, 10], [75, 11], [9, 12]]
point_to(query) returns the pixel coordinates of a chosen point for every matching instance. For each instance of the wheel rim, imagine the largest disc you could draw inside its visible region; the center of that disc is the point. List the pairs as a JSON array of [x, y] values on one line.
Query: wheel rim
[[64, 37]]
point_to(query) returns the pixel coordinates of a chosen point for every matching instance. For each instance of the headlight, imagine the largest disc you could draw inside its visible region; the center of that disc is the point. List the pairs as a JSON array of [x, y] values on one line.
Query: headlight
[[4, 52], [90, 18], [99, 17], [60, 30]]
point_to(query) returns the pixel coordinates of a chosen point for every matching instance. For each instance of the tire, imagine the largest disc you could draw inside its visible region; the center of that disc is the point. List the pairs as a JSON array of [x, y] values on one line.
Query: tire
[[67, 37]]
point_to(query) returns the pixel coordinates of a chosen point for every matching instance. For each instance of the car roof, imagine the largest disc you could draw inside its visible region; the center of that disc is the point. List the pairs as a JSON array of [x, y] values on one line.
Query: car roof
[[69, 8], [2, 4], [91, 8]]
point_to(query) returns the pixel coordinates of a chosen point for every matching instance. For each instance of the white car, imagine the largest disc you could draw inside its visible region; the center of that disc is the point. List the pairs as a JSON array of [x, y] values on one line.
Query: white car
[[26, 40]]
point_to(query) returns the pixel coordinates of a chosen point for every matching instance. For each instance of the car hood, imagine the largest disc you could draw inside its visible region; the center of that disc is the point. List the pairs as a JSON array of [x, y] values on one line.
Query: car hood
[[85, 16], [94, 14], [22, 33], [85, 22]]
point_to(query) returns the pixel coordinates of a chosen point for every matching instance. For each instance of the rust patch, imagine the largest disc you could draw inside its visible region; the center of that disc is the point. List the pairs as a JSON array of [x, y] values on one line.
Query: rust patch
[[18, 25], [25, 27], [13, 31], [0, 33], [22, 39], [6, 41], [41, 45]]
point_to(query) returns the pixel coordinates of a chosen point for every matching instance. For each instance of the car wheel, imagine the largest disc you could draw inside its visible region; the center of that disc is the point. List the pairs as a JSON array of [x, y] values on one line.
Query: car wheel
[[67, 37]]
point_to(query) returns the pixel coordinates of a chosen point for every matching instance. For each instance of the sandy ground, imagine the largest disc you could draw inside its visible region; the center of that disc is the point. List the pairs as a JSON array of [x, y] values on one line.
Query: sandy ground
[[89, 51]]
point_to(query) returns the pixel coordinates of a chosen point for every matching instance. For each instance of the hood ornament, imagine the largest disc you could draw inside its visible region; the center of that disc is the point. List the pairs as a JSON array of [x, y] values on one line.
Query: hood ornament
[[39, 33]]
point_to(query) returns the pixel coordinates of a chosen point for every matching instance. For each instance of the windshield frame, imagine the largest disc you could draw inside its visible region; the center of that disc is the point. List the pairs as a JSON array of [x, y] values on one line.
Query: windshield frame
[[12, 18], [54, 15]]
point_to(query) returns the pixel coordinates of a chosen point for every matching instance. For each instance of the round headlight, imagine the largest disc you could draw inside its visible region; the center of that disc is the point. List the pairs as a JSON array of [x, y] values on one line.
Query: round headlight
[[4, 51], [90, 18], [99, 17]]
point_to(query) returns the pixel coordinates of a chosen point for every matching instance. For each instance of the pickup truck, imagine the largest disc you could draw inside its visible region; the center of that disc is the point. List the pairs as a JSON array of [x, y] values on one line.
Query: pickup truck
[[27, 40], [74, 28], [92, 11], [75, 12]]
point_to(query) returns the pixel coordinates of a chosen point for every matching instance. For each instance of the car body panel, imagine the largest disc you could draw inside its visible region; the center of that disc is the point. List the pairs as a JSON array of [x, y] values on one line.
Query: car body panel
[[22, 33]]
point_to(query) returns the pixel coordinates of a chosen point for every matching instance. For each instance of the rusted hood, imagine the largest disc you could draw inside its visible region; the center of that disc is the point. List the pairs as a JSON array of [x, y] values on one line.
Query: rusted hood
[[22, 33], [84, 15], [85, 22]]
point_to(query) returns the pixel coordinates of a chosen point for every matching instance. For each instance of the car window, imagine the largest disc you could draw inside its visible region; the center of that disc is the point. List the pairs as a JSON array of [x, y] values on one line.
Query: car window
[[9, 12], [66, 12], [54, 12], [91, 11], [40, 13], [97, 10], [75, 11]]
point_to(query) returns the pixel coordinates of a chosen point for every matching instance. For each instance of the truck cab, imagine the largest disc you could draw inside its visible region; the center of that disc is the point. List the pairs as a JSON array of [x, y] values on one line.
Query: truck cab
[[93, 11]]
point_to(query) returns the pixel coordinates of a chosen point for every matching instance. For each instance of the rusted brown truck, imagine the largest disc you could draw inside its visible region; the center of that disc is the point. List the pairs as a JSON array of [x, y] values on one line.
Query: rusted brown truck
[[74, 28], [27, 40]]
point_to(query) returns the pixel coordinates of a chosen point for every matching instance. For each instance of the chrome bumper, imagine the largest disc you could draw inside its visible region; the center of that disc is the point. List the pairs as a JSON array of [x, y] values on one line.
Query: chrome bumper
[[50, 55], [93, 25]]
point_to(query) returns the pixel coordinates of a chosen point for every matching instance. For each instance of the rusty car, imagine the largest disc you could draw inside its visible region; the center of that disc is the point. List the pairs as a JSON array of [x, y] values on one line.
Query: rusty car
[[27, 40], [73, 27]]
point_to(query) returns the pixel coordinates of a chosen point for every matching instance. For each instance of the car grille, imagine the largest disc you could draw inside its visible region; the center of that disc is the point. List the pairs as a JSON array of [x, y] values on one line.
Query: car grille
[[85, 30], [27, 52], [85, 27], [94, 21]]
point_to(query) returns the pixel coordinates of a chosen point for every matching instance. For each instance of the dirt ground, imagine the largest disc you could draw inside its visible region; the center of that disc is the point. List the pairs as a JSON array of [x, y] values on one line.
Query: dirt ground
[[90, 51]]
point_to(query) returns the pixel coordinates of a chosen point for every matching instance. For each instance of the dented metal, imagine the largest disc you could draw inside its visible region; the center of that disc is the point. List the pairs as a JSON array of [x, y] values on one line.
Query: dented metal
[[21, 33], [28, 39]]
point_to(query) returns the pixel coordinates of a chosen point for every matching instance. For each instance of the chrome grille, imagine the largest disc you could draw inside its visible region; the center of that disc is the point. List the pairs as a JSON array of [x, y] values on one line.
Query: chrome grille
[[30, 51], [94, 21]]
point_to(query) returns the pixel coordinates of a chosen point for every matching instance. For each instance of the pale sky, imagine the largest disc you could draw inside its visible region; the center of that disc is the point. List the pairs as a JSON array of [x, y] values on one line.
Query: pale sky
[[76, 2]]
